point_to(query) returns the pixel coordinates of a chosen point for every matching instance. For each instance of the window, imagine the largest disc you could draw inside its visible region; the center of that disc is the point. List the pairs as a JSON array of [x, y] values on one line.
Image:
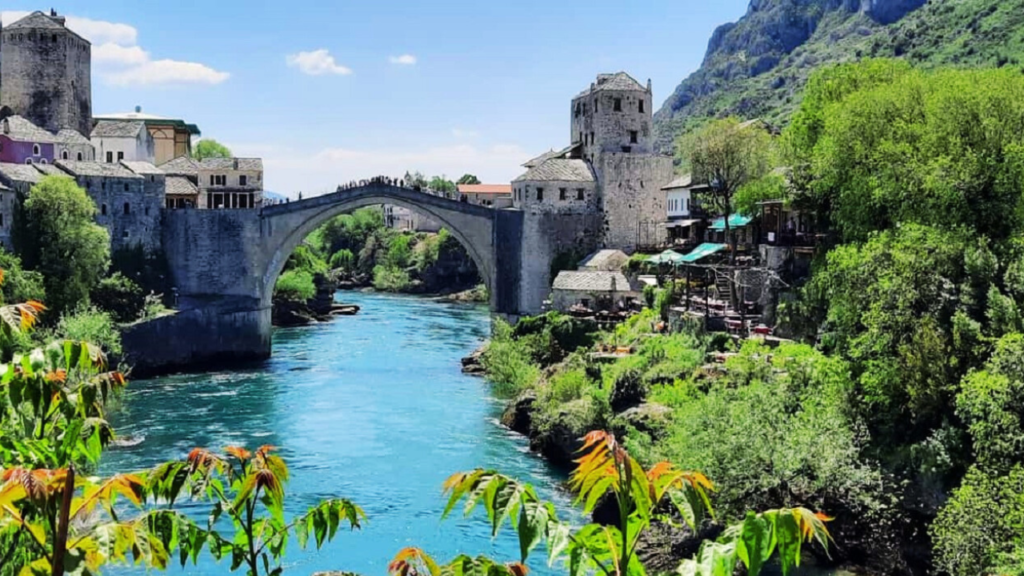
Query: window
[[110, 157], [211, 179], [35, 150], [618, 105], [584, 108], [243, 180], [579, 193], [79, 156], [641, 105], [54, 38], [561, 193], [595, 105], [28, 160], [146, 211], [127, 209], [125, 188], [42, 160], [103, 209], [64, 155], [591, 138], [125, 235], [1, 220], [540, 194], [633, 136], [120, 156]]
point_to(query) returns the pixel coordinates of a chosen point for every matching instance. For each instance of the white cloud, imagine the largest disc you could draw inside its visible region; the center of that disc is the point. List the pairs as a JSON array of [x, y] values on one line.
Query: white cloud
[[167, 72], [404, 59], [289, 171], [464, 134], [119, 60], [117, 55], [317, 63]]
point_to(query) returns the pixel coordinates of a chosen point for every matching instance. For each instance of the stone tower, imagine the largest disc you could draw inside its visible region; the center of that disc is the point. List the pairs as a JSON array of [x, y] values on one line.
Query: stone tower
[[612, 129], [45, 73]]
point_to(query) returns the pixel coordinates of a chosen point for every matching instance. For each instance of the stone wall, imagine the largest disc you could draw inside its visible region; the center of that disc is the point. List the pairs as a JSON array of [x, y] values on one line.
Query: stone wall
[[129, 208], [218, 332], [552, 201], [544, 237], [46, 77], [609, 130], [214, 252], [632, 198]]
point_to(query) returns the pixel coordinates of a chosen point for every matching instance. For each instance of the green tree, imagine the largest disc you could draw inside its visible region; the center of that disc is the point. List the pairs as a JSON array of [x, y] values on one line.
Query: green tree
[[441, 184], [210, 148], [415, 179], [64, 244], [468, 179], [728, 154], [122, 298]]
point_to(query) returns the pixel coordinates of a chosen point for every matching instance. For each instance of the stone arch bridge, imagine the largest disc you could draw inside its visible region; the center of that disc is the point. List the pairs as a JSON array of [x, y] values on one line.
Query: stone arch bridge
[[225, 263]]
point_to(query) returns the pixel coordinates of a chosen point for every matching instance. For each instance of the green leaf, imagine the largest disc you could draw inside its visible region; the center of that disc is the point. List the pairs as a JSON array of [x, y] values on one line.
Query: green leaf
[[788, 539], [754, 545]]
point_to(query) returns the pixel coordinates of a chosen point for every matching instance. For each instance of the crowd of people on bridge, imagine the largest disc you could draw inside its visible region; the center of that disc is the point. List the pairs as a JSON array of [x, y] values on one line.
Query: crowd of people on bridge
[[375, 180]]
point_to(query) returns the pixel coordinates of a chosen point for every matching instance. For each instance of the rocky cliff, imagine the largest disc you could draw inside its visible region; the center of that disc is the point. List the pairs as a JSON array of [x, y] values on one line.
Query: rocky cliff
[[757, 65]]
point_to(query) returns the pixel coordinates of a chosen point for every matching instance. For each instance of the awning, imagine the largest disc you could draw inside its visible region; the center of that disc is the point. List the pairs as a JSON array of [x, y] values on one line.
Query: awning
[[680, 223], [703, 250], [666, 257], [735, 221]]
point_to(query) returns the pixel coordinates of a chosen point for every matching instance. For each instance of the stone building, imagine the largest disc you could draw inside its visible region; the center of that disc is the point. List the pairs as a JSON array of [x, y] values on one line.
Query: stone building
[[182, 183], [230, 182], [493, 195], [597, 290], [46, 73], [128, 140], [70, 145], [172, 138], [129, 203], [22, 142], [611, 159], [15, 182]]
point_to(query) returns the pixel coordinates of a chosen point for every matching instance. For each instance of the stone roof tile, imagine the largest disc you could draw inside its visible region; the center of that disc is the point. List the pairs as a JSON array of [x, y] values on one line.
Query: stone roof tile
[[117, 129], [619, 81], [69, 136], [97, 169], [559, 170], [22, 129], [20, 172], [49, 169], [142, 168], [181, 185], [591, 281], [231, 164], [181, 166], [36, 20]]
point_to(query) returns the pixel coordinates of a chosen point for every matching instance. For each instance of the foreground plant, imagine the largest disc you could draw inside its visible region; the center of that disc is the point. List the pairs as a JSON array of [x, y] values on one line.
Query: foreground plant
[[248, 489], [641, 496]]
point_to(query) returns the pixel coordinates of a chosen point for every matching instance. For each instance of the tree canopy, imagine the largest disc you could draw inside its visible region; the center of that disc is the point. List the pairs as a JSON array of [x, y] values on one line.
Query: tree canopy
[[210, 148], [468, 179], [63, 243]]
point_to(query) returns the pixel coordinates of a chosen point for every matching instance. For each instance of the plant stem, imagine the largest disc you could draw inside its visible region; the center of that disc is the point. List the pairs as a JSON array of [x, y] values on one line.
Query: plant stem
[[61, 541]]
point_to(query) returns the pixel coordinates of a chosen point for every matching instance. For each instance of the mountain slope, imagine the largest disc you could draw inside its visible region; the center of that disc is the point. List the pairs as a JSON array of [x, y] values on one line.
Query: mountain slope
[[757, 67]]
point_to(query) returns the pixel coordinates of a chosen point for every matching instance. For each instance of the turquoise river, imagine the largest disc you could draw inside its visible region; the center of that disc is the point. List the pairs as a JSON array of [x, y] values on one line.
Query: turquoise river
[[371, 407]]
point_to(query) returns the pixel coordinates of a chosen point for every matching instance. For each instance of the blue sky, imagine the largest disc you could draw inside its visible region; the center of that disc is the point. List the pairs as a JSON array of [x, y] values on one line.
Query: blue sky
[[328, 92]]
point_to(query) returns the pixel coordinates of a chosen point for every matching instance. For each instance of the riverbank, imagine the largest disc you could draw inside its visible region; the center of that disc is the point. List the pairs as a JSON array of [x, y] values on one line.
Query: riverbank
[[770, 427]]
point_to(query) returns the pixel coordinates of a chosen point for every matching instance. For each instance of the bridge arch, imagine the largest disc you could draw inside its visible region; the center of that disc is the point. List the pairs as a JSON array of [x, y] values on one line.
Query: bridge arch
[[285, 226]]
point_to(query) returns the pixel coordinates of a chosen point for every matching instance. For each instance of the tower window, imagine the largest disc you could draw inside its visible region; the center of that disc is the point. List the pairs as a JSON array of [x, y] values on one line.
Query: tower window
[[540, 194], [618, 105], [103, 209], [127, 209], [125, 189], [641, 105], [591, 138], [579, 193], [125, 235], [633, 136], [561, 193], [54, 38], [581, 138], [595, 105]]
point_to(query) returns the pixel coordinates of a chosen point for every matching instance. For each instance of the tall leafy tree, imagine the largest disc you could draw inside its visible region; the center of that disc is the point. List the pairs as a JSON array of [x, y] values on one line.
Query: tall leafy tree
[[210, 148], [63, 243], [728, 154], [469, 179], [441, 184]]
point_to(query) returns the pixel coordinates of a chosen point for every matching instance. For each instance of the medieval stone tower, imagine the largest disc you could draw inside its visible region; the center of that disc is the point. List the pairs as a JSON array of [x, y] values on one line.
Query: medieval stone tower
[[612, 128], [45, 73]]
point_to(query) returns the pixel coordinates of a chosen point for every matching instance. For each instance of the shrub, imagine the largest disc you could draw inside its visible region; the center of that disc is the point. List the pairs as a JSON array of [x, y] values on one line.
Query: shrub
[[390, 279], [305, 259], [980, 524], [295, 285], [567, 385], [343, 259], [20, 285], [991, 403], [507, 362], [122, 298], [91, 325]]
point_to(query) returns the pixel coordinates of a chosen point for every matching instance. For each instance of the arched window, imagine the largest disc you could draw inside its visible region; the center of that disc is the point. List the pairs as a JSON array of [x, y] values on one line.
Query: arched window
[[35, 150], [42, 160], [79, 156], [64, 155], [103, 209], [28, 160], [127, 209]]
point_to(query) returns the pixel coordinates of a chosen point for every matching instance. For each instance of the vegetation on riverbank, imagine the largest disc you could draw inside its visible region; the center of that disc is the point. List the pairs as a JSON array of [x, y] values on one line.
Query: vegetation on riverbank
[[358, 250], [899, 415]]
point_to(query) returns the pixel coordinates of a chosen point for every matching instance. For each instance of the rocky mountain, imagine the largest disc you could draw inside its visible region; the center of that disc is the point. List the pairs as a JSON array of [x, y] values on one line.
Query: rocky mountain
[[757, 66]]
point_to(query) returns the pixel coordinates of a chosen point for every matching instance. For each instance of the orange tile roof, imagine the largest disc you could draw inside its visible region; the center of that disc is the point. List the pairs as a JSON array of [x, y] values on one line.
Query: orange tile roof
[[485, 189]]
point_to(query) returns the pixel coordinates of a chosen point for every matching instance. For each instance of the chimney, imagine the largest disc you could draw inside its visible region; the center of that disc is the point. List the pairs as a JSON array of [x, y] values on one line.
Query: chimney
[[648, 84]]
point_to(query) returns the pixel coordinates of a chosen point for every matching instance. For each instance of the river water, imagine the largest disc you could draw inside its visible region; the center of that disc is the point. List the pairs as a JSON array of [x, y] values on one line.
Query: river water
[[371, 407]]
